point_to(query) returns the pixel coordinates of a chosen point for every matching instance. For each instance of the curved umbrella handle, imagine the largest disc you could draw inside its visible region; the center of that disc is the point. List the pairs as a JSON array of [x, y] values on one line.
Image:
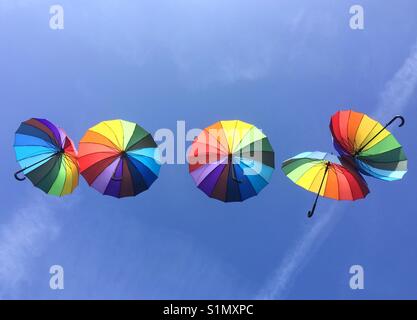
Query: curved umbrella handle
[[234, 178], [311, 212], [113, 177], [16, 175], [395, 118]]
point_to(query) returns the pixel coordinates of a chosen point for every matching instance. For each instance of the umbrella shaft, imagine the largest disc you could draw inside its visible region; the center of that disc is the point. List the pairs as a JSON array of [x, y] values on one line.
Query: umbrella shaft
[[379, 132], [364, 146], [34, 164], [232, 168], [311, 212]]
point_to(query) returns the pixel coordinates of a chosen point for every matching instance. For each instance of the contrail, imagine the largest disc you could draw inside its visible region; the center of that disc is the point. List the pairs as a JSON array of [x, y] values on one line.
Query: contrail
[[399, 90], [393, 99], [298, 255]]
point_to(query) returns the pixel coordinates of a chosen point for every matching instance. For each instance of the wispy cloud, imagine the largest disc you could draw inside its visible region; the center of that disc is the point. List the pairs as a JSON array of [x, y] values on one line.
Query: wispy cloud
[[393, 99], [206, 42], [298, 256], [399, 90], [24, 237]]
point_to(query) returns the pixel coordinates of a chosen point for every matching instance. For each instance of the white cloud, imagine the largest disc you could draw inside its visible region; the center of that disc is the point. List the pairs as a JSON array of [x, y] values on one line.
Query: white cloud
[[206, 42], [394, 99], [24, 237], [400, 88]]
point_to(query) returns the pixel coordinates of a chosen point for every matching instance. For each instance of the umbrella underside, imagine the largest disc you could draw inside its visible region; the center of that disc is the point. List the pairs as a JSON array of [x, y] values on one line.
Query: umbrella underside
[[308, 170], [231, 161], [376, 151], [119, 158], [47, 156]]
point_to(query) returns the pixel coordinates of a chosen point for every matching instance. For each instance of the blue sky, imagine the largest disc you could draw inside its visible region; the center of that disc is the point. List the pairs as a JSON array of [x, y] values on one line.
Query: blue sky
[[285, 66]]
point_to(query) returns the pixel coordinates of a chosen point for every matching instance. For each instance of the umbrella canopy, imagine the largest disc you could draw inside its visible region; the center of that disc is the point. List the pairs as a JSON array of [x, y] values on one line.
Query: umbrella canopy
[[47, 157], [376, 151], [119, 158], [307, 170], [231, 161], [326, 175]]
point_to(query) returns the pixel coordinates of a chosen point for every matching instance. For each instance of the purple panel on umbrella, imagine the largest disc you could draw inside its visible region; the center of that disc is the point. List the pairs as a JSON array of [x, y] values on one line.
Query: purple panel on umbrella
[[101, 182], [53, 128], [208, 184], [199, 174], [63, 136], [113, 188]]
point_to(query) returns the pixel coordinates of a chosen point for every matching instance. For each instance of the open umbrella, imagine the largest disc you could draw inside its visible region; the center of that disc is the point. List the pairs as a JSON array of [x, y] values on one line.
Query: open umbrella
[[326, 175], [119, 158], [231, 161], [364, 145], [47, 157], [375, 150]]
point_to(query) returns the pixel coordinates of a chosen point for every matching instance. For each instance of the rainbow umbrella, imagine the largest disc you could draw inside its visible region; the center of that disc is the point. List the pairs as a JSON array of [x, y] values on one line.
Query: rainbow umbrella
[[119, 158], [47, 157], [375, 150], [326, 175], [231, 161]]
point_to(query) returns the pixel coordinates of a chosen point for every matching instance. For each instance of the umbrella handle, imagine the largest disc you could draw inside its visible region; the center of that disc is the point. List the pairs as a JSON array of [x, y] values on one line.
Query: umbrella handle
[[116, 179], [16, 175], [113, 177], [234, 178], [395, 118], [311, 212], [386, 126]]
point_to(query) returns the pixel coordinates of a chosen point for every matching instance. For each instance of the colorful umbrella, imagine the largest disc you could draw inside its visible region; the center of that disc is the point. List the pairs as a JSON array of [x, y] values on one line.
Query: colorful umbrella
[[365, 147], [47, 157], [119, 158], [326, 175], [375, 150], [231, 161]]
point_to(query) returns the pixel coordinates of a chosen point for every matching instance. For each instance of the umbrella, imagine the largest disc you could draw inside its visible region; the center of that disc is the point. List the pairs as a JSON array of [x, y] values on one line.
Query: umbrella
[[119, 158], [231, 161], [326, 175], [364, 145], [375, 150], [47, 157]]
